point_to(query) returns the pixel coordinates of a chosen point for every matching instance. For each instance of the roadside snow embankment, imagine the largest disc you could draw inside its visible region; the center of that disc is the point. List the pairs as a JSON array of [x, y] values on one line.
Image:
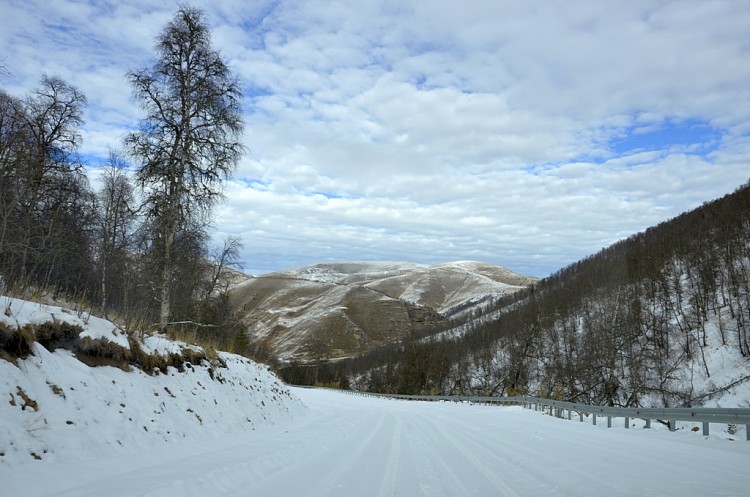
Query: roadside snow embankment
[[55, 407]]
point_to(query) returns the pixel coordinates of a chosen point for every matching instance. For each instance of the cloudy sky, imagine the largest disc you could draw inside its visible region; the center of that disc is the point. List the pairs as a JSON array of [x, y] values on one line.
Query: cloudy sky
[[527, 134]]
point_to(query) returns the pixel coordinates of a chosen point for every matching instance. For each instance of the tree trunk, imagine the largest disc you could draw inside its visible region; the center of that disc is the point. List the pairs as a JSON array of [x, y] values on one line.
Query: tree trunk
[[166, 279]]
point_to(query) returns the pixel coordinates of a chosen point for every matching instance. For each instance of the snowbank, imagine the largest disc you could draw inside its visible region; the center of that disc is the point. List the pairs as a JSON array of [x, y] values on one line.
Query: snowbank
[[57, 408], [17, 313]]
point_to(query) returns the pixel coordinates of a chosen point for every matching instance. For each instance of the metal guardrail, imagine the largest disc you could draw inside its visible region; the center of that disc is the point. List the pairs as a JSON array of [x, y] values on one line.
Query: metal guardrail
[[704, 415]]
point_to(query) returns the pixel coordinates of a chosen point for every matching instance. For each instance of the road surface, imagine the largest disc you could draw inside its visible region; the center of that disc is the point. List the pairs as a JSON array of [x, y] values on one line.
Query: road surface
[[349, 445]]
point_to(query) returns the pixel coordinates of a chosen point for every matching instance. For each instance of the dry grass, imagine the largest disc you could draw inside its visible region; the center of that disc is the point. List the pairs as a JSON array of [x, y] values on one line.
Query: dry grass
[[209, 339], [101, 352], [56, 390], [17, 343], [56, 335], [27, 401]]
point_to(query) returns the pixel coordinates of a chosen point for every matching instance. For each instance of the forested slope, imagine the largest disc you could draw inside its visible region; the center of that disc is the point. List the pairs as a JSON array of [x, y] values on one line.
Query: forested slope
[[660, 318]]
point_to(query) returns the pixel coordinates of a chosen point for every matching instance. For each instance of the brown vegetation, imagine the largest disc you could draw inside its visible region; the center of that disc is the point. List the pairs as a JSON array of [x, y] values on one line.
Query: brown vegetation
[[17, 344]]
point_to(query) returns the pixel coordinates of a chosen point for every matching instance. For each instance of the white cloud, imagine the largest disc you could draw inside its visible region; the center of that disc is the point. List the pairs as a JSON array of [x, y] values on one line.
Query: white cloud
[[433, 131]]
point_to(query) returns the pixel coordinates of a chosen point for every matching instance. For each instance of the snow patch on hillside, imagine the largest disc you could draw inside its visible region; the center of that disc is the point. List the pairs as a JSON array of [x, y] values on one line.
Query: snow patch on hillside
[[462, 282], [351, 272], [55, 408]]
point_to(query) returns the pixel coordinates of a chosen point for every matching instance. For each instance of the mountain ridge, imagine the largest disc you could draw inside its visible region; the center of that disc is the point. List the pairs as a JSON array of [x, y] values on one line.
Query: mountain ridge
[[334, 310]]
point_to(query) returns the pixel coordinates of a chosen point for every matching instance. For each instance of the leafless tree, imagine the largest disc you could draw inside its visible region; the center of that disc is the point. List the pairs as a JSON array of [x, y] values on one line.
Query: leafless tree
[[188, 142], [223, 260], [42, 181], [116, 217]]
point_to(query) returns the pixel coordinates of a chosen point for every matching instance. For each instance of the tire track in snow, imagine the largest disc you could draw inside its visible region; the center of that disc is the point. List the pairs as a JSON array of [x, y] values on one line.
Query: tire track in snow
[[500, 485], [437, 477], [492, 447], [548, 465], [388, 486], [329, 484]]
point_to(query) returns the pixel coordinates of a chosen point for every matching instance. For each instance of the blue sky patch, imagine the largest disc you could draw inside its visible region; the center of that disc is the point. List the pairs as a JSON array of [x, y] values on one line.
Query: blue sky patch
[[331, 195], [692, 135], [255, 183]]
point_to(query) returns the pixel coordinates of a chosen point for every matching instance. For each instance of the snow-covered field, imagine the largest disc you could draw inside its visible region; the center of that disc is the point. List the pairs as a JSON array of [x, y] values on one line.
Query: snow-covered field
[[349, 445]]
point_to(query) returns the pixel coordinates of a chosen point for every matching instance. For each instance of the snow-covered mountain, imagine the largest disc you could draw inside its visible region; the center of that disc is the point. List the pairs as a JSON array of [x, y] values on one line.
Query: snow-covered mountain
[[337, 310], [56, 407], [444, 288]]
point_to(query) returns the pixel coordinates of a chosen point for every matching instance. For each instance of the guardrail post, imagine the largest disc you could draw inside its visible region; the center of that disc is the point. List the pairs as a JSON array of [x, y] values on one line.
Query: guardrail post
[[627, 422], [672, 425], [593, 418], [705, 428], [609, 421], [747, 432], [580, 415], [648, 423], [570, 414]]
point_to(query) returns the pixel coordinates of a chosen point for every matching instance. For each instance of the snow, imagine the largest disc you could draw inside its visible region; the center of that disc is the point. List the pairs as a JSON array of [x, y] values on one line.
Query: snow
[[19, 313], [348, 272], [57, 410], [350, 445], [158, 343], [67, 429]]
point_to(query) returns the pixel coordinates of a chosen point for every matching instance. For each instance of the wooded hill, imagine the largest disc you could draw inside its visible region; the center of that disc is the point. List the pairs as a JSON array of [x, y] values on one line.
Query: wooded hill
[[647, 321]]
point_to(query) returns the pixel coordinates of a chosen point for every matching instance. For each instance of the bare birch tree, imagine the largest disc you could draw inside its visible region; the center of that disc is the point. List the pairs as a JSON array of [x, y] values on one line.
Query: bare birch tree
[[116, 217], [187, 144]]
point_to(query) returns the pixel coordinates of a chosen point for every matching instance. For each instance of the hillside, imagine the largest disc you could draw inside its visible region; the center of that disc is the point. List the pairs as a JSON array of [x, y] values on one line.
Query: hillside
[[661, 318], [330, 311], [444, 288], [145, 392]]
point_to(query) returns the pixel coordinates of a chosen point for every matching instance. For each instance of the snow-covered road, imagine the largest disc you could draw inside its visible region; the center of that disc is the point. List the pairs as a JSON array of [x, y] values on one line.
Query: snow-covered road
[[348, 445]]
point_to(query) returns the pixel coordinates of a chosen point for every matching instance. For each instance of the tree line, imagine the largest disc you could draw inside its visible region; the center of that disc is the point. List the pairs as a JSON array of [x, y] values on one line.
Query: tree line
[[139, 245]]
